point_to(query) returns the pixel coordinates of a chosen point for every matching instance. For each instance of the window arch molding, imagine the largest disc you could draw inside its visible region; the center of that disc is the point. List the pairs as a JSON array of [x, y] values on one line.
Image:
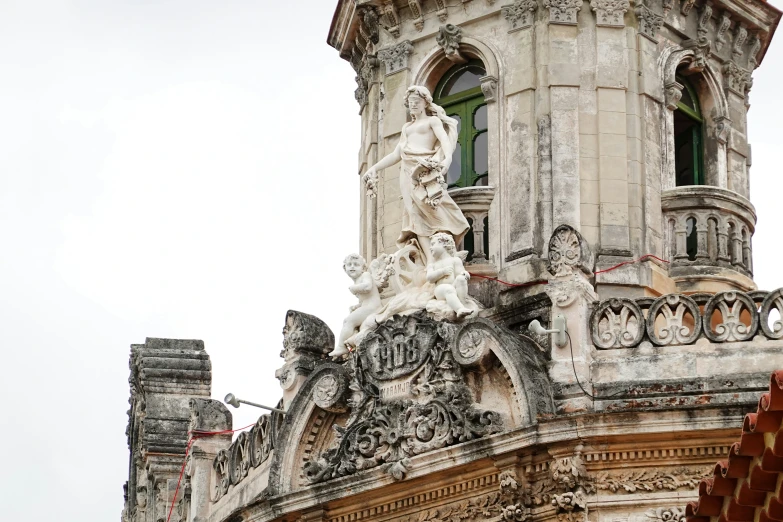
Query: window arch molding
[[436, 63], [692, 65]]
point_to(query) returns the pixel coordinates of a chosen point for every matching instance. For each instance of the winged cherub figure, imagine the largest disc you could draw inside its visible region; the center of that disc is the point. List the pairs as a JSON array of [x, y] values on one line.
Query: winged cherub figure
[[367, 286], [448, 274]]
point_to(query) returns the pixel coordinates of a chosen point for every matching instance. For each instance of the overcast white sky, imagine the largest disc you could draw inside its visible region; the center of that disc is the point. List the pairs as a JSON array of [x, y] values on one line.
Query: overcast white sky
[[182, 169]]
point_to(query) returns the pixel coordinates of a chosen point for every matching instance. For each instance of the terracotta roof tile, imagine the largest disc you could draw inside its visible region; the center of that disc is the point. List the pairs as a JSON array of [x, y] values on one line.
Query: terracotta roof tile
[[746, 487]]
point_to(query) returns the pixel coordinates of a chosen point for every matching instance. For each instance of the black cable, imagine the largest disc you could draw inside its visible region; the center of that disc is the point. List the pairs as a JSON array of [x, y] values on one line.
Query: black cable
[[573, 365]]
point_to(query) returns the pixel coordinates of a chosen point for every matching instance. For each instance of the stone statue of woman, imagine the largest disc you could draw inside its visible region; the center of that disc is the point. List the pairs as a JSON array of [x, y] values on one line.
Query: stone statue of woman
[[425, 148]]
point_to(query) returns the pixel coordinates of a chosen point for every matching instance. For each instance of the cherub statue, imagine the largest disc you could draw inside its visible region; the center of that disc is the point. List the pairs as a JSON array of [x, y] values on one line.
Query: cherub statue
[[448, 274], [367, 287]]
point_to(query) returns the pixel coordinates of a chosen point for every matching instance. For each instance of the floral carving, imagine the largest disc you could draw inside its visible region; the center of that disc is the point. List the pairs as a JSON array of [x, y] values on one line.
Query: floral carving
[[737, 79], [674, 309], [650, 480], [610, 12], [396, 58], [221, 481], [571, 485], [672, 514], [617, 323], [328, 392], [448, 38], [650, 22], [520, 13], [563, 11], [477, 509]]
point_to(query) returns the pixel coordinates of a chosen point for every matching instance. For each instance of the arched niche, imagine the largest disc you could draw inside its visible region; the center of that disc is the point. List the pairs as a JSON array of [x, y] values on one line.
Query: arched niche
[[692, 64]]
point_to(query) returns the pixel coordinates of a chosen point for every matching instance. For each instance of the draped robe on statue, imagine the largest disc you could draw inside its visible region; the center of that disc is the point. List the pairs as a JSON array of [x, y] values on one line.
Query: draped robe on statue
[[418, 217]]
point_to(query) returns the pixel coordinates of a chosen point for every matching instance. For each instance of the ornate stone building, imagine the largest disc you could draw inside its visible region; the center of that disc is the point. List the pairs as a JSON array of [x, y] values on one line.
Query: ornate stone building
[[600, 156]]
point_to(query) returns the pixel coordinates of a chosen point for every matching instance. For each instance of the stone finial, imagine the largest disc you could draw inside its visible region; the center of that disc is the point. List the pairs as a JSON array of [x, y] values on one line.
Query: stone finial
[[449, 38], [610, 13], [520, 13], [396, 58], [563, 11]]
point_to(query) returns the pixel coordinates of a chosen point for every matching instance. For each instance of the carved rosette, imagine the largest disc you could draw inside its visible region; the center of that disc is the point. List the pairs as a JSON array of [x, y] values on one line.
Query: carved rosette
[[672, 514], [407, 398], [396, 58], [563, 11], [449, 38], [650, 22], [686, 6], [520, 13], [567, 252], [610, 13]]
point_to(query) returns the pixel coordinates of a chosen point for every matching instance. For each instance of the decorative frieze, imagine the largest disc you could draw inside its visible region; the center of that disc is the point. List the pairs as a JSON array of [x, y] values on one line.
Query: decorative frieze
[[448, 38], [563, 11], [392, 18], [650, 22], [396, 58], [416, 14], [610, 12], [723, 26], [520, 13]]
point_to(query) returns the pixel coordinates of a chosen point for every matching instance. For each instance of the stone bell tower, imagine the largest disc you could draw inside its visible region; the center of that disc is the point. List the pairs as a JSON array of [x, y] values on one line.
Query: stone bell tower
[[624, 121]]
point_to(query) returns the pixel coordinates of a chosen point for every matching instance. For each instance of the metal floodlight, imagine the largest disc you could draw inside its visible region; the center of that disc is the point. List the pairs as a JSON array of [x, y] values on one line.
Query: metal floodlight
[[559, 329], [235, 402]]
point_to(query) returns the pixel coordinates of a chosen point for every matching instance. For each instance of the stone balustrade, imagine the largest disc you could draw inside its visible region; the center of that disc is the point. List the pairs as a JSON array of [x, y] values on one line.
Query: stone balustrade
[[708, 235], [474, 203], [677, 319]]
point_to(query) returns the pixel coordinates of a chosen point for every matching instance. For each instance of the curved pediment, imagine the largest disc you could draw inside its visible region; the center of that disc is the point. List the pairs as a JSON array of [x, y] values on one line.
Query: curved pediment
[[415, 386]]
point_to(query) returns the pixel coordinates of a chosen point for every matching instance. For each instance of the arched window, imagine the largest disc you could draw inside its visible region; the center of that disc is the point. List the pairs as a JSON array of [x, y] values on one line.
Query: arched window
[[688, 138], [459, 93]]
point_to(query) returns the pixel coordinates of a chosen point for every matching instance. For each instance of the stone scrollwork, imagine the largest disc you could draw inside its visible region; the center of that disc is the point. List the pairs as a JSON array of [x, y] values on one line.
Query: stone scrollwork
[[673, 95], [617, 323], [392, 18], [489, 86], [240, 458], [686, 6], [732, 307], [650, 22], [610, 12], [563, 11], [261, 440], [416, 13], [672, 514], [651, 480], [449, 38], [723, 26], [520, 13], [567, 252], [739, 40], [572, 484], [753, 52], [221, 480], [396, 58], [737, 79], [407, 398], [681, 320], [773, 300]]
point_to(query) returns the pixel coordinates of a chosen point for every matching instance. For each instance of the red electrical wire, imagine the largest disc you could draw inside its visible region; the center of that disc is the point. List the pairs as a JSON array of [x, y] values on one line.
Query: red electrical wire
[[192, 437], [615, 267], [646, 256]]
